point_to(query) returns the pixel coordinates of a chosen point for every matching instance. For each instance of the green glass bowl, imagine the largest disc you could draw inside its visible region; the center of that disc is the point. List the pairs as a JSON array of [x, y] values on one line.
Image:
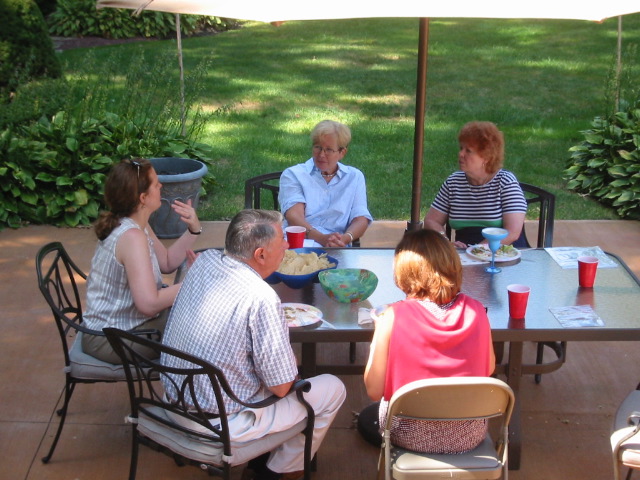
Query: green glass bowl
[[348, 285]]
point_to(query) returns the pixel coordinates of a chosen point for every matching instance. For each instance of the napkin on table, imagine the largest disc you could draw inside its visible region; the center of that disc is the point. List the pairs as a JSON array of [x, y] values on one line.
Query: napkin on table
[[364, 316]]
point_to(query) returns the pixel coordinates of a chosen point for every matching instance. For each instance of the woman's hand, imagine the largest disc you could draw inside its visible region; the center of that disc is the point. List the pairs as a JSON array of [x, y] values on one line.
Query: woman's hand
[[327, 239], [187, 214], [172, 257], [335, 240], [375, 372], [191, 257]]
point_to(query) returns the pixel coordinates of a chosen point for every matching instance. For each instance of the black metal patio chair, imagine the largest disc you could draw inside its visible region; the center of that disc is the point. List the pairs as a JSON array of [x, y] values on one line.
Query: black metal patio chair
[[58, 278], [168, 417]]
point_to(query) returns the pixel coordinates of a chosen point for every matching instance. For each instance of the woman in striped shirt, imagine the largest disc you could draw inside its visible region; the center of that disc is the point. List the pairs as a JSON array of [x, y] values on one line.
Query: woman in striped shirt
[[481, 194]]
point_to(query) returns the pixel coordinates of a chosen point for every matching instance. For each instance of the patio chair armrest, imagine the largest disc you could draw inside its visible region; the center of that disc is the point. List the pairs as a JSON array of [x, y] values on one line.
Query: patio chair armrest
[[270, 400], [298, 387], [633, 420], [149, 333], [79, 327], [624, 434]]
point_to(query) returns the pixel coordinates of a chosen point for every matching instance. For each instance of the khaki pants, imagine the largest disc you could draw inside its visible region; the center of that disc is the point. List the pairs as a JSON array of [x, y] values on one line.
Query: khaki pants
[[326, 396], [99, 347]]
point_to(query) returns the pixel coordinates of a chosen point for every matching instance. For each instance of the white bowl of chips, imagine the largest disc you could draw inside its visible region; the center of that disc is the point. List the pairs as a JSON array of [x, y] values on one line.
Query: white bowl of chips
[[300, 266]]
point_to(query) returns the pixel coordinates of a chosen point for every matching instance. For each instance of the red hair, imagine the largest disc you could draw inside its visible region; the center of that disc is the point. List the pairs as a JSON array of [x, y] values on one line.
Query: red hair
[[487, 141], [426, 266]]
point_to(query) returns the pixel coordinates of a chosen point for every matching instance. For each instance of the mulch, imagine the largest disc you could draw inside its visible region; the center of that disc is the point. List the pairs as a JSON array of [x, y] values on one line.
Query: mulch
[[68, 43]]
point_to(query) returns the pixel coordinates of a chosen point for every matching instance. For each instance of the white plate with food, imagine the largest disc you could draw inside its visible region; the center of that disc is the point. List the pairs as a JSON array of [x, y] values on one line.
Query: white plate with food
[[301, 315], [506, 253]]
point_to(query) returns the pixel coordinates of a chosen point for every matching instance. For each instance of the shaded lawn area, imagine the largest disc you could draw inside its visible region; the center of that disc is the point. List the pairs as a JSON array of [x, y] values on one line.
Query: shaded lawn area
[[542, 82]]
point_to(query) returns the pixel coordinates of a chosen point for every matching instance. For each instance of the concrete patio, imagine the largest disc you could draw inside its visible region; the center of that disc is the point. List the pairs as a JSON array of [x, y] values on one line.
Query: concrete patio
[[566, 419]]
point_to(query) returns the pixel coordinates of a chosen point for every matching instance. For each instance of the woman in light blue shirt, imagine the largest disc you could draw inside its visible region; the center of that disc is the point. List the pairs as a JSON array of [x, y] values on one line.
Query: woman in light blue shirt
[[323, 195]]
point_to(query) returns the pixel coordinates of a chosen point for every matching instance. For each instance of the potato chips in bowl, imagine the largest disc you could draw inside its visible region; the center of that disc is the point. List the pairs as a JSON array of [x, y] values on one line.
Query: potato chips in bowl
[[300, 266]]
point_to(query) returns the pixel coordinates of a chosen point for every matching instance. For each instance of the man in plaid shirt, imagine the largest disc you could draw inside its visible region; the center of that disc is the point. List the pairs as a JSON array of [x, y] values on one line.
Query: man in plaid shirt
[[226, 314]]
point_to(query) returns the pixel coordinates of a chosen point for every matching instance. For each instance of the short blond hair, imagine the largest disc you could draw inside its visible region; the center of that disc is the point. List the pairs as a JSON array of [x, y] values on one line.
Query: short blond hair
[[331, 127], [426, 266]]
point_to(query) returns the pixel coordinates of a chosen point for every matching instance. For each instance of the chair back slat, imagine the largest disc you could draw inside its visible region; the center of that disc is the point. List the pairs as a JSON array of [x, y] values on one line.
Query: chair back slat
[[254, 188], [58, 278], [450, 399], [57, 274], [174, 401], [547, 201], [176, 394]]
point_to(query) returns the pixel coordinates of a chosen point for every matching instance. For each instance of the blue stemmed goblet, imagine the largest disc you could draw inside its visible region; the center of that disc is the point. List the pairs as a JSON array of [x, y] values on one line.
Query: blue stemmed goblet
[[493, 236]]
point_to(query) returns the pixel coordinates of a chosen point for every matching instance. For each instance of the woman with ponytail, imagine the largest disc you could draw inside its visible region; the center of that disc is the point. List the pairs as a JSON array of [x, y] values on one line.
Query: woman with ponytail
[[124, 287]]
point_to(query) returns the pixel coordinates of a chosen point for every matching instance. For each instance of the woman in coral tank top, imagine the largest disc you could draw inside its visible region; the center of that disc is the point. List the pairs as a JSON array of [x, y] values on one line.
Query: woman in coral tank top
[[437, 331]]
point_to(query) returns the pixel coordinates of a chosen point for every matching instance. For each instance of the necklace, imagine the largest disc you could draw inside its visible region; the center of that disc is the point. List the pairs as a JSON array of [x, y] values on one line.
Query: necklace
[[328, 175]]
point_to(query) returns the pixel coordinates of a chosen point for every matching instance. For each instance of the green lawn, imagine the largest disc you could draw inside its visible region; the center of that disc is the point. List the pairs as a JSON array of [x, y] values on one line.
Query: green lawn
[[542, 82]]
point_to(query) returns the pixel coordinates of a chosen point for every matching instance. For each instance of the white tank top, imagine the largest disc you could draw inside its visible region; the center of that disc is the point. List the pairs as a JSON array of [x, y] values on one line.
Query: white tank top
[[109, 299]]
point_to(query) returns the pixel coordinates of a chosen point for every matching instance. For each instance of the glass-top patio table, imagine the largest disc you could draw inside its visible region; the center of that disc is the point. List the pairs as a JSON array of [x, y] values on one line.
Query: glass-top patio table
[[615, 298]]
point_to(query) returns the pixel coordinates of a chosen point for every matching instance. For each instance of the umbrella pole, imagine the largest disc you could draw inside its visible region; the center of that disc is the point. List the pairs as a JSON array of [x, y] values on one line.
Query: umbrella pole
[[618, 63], [418, 140], [183, 120]]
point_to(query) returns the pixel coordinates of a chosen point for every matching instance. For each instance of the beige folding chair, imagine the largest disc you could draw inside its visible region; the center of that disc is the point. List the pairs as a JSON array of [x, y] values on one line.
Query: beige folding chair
[[453, 398], [625, 439]]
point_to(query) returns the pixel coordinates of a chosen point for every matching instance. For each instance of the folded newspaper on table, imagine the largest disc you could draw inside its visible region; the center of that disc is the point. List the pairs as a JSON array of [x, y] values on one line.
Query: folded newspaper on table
[[567, 257], [577, 316]]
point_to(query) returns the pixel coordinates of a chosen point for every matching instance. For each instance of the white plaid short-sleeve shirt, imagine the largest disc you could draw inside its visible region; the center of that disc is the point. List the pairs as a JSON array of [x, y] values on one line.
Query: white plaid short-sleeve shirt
[[228, 315]]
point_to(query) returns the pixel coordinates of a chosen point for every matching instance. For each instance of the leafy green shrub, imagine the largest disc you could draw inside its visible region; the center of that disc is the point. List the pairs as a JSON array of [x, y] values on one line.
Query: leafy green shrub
[[52, 171], [26, 50], [606, 165], [33, 100], [80, 18], [46, 6]]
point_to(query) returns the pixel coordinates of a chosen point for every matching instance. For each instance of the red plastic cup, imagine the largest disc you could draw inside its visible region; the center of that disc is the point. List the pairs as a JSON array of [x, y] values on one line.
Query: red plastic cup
[[518, 298], [587, 267], [295, 236]]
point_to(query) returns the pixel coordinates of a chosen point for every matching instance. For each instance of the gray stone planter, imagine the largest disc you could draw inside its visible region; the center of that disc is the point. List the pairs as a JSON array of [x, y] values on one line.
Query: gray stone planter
[[181, 179]]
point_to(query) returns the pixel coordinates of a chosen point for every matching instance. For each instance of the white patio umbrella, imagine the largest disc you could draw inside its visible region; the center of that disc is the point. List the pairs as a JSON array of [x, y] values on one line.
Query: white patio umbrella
[[282, 10]]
